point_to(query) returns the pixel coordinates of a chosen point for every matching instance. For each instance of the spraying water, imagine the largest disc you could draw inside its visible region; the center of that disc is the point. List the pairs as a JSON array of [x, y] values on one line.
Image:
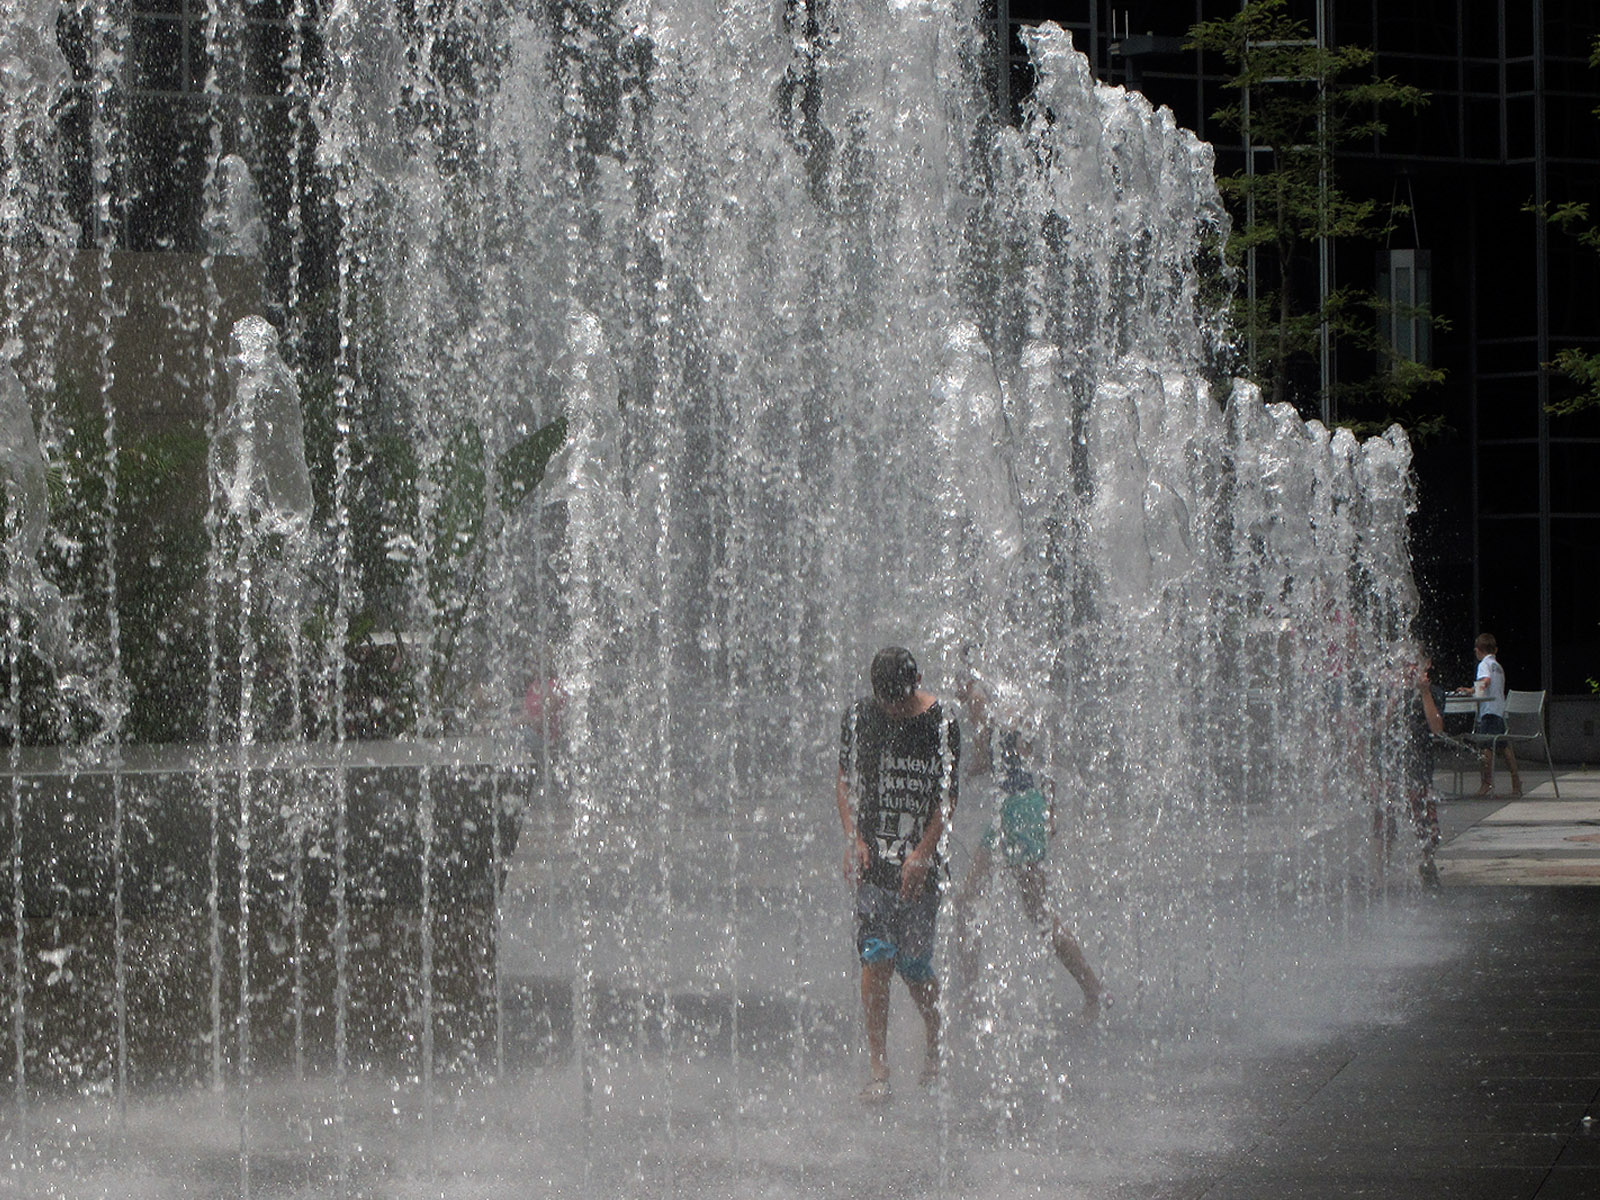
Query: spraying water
[[641, 370]]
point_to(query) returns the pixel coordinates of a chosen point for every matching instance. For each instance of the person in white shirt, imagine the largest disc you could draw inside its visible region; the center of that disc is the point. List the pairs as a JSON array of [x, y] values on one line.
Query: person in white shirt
[[1490, 688]]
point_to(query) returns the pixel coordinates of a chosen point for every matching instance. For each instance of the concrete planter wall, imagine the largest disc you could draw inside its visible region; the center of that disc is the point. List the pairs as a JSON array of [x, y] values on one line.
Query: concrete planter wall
[[1573, 726], [123, 901]]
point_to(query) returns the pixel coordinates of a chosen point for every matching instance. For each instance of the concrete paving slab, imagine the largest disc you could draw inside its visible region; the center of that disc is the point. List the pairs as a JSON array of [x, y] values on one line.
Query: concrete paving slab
[[1535, 841], [1570, 1184], [1525, 871], [1533, 810], [1583, 1148], [1575, 782]]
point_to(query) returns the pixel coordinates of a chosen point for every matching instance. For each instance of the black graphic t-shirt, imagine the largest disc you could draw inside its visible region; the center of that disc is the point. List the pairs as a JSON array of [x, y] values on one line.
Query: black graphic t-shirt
[[902, 768]]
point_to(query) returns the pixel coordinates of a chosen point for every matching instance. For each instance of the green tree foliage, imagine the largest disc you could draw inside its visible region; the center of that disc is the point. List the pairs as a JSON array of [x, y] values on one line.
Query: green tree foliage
[[1298, 104]]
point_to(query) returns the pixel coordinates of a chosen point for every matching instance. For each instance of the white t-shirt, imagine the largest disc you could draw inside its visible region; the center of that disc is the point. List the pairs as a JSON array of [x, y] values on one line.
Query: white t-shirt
[[1491, 682]]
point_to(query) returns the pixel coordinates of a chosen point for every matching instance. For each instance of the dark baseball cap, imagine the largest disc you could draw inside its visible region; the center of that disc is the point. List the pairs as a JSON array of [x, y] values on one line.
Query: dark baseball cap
[[894, 674]]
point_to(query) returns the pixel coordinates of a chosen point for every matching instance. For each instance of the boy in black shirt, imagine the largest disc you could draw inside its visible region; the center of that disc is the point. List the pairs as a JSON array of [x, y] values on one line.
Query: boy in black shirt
[[898, 764]]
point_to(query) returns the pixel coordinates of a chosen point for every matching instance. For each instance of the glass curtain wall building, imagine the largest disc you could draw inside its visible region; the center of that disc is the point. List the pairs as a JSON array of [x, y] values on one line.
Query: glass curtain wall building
[[1509, 530], [193, 82]]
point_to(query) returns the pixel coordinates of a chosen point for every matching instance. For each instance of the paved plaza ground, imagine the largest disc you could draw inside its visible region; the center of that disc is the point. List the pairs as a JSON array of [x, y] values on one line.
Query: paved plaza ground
[[1449, 1047], [1433, 1043], [1484, 1081]]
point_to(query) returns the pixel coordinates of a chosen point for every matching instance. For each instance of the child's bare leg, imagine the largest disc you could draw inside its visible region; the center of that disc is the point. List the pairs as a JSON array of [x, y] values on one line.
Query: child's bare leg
[[1031, 884], [875, 979], [1510, 754], [925, 995]]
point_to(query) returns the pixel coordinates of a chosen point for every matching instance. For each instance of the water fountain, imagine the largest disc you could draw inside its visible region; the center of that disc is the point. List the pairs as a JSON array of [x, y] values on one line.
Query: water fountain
[[419, 722]]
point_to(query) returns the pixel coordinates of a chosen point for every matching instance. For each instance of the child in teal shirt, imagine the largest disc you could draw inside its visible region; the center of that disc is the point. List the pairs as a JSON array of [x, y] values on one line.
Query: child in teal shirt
[[1021, 833]]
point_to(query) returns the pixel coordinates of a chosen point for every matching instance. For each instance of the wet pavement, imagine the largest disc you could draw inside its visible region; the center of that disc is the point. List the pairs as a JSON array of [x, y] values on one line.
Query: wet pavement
[[1482, 1079], [1441, 1043], [1394, 1042], [1486, 1085]]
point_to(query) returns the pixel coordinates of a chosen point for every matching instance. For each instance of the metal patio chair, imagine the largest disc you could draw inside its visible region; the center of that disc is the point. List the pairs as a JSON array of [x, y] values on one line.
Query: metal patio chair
[[1524, 723], [1452, 752]]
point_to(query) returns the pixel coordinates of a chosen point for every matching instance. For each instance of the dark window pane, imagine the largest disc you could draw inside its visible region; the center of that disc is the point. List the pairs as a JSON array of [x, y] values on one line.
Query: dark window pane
[[1035, 11], [1444, 493], [156, 49], [1480, 21], [199, 64], [1574, 468], [268, 46], [1571, 128], [1519, 29], [1508, 598], [1570, 22], [1017, 48], [1519, 127], [1439, 125], [1507, 357], [1483, 129], [1574, 285], [1402, 135], [1160, 16], [73, 122], [1505, 268], [166, 171], [1569, 75], [1352, 27], [1508, 480], [1574, 619], [1433, 74], [1483, 78], [1508, 407], [1390, 34], [1021, 86]]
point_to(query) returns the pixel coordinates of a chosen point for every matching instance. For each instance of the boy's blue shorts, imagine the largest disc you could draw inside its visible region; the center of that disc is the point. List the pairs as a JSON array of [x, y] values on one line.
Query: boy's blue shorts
[[891, 929]]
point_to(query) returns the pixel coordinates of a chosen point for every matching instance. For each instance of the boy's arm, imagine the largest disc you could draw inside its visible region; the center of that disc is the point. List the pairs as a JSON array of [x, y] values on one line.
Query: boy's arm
[[855, 850], [1430, 706]]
